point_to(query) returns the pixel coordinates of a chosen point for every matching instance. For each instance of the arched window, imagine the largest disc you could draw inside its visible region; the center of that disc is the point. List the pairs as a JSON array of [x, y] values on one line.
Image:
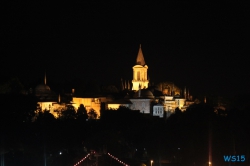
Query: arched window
[[138, 75]]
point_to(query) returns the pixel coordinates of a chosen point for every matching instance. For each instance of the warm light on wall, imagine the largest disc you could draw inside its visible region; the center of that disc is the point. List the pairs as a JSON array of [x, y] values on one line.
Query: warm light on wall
[[89, 103], [116, 106], [140, 77]]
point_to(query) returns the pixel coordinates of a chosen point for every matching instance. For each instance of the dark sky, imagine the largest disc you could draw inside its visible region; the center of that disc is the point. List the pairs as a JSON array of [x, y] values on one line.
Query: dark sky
[[201, 45]]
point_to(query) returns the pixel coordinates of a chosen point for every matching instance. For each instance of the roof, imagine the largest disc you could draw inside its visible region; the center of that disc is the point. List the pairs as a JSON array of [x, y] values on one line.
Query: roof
[[140, 59], [42, 88], [144, 94]]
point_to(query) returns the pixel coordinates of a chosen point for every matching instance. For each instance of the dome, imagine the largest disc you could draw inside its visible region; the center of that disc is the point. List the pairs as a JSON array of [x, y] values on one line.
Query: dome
[[42, 88], [145, 93]]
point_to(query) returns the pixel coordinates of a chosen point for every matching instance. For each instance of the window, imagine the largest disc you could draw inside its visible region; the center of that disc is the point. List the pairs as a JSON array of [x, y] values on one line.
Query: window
[[97, 101], [138, 75]]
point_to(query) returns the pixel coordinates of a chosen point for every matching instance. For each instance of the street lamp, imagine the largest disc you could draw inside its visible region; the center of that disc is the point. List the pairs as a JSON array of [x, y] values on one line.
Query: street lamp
[[209, 163], [151, 162]]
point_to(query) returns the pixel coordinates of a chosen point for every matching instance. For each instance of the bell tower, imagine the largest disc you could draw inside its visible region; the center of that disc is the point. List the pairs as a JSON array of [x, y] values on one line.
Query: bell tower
[[140, 76]]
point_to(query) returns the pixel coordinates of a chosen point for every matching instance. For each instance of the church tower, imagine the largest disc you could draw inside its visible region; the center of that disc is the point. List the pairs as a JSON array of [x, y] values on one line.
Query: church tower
[[140, 72]]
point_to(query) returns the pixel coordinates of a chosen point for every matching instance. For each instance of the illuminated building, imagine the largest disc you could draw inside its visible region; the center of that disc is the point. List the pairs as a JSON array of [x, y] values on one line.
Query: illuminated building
[[89, 102], [166, 96], [140, 79], [160, 100], [142, 101], [50, 101], [47, 99], [115, 104]]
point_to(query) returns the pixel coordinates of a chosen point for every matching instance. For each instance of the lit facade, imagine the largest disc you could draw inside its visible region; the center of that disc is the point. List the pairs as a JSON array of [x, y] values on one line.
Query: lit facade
[[47, 99], [52, 107], [89, 103], [140, 76], [165, 101], [143, 105], [115, 104], [158, 110], [170, 103], [169, 96]]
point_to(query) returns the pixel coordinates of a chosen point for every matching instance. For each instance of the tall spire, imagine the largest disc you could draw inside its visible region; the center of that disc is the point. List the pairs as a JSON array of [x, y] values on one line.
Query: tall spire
[[59, 98], [173, 92], [125, 85], [45, 80], [140, 59], [140, 72], [122, 86], [185, 92]]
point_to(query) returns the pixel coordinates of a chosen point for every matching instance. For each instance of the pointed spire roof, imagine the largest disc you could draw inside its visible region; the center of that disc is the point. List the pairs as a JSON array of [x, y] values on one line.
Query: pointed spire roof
[[140, 59], [59, 98], [185, 93], [45, 79], [125, 86], [122, 86], [173, 92]]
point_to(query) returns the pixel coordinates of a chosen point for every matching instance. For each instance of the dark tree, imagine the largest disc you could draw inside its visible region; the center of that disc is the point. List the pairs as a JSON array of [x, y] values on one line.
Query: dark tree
[[45, 117], [19, 108], [11, 86], [92, 114], [69, 113], [82, 113]]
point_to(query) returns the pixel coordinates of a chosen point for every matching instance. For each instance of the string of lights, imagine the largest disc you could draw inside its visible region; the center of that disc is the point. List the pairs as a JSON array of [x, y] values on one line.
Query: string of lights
[[82, 159], [115, 158]]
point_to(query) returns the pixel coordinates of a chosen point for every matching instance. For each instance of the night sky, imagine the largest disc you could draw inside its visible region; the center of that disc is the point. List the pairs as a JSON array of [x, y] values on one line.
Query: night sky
[[201, 45]]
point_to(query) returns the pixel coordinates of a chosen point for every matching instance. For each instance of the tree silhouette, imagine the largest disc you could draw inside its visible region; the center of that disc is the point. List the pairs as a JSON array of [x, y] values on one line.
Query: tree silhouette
[[92, 114], [82, 113], [20, 108], [69, 113], [45, 117], [11, 86]]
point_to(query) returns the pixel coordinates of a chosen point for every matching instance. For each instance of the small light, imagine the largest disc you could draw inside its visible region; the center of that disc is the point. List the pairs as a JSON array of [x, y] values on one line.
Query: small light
[[60, 153]]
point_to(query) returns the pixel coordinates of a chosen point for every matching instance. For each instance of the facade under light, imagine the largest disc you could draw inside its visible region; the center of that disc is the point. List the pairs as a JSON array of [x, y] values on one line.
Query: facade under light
[[162, 101]]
